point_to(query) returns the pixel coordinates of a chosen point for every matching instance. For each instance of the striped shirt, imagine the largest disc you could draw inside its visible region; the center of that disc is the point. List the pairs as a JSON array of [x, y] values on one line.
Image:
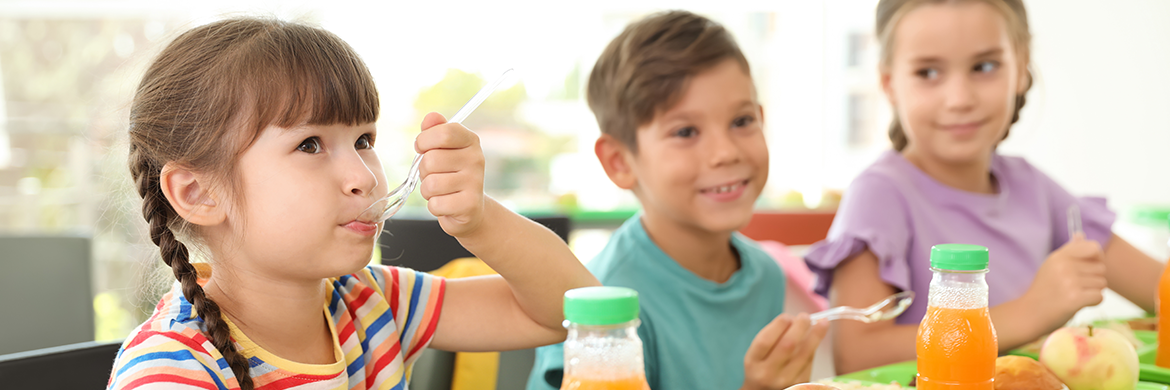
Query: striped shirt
[[380, 317]]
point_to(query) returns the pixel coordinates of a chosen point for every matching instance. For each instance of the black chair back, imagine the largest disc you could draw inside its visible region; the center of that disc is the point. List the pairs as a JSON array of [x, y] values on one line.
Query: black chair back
[[421, 244], [75, 366]]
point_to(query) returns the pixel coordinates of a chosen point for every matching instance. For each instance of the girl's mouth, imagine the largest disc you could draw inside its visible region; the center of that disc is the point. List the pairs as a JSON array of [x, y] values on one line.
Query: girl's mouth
[[963, 128], [362, 228]]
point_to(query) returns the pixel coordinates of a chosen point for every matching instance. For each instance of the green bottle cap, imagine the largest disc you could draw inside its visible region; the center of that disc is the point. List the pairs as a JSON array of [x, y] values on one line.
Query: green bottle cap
[[601, 305], [958, 257]]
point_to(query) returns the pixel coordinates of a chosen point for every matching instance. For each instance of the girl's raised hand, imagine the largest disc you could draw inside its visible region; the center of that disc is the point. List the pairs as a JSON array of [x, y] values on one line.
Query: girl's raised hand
[[1072, 277], [452, 174]]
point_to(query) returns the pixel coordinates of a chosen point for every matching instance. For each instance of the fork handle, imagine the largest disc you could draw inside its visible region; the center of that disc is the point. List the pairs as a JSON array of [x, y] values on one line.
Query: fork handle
[[837, 313], [823, 314]]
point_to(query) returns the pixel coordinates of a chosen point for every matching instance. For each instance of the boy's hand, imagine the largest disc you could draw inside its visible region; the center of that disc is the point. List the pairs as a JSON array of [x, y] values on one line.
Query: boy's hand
[[781, 354], [452, 174], [1072, 277]]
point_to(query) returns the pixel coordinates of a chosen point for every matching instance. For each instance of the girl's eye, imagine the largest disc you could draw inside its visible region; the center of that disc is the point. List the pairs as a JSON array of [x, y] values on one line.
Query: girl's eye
[[312, 145], [986, 66], [927, 73], [686, 132], [364, 142], [743, 121]]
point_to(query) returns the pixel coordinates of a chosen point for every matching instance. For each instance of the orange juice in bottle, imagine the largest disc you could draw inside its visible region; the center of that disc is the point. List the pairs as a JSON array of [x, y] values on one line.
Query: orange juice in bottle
[[603, 351], [956, 343], [1162, 307]]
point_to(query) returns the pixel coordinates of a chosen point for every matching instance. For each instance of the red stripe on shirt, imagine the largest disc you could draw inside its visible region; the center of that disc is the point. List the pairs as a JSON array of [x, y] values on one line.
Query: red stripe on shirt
[[393, 291], [169, 378], [385, 360], [299, 379]]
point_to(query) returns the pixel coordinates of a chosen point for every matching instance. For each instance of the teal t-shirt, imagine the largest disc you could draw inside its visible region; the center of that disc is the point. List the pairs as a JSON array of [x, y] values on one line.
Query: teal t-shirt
[[694, 332]]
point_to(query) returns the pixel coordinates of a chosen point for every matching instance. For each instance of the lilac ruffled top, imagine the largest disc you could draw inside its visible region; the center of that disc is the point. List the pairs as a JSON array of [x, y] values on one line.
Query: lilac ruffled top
[[898, 212]]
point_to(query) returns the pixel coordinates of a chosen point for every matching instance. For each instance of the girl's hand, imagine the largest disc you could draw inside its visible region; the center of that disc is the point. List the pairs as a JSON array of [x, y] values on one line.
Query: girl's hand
[[781, 354], [1072, 277], [452, 174]]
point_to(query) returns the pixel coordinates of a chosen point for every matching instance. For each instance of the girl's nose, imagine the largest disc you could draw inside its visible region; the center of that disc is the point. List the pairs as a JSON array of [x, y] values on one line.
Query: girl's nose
[[361, 178], [960, 94]]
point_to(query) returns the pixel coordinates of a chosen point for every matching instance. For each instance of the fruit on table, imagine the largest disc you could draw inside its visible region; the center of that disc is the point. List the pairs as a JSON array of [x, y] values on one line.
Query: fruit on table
[[811, 386], [1023, 373], [1087, 358]]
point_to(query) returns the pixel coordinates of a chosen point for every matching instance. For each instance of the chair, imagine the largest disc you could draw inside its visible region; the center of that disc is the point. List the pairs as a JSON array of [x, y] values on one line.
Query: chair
[[422, 244], [75, 366], [45, 293]]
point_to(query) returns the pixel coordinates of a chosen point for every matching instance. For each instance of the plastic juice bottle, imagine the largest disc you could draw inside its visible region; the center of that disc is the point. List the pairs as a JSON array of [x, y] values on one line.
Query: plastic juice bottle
[[603, 351], [956, 344], [1162, 308]]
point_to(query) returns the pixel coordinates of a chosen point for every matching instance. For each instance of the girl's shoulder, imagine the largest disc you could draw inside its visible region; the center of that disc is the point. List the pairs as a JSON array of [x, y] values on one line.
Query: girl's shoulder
[[170, 347], [1016, 168], [889, 180]]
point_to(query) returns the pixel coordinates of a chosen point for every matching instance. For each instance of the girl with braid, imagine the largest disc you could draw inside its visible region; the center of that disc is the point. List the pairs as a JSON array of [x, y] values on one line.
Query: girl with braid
[[251, 144], [955, 73]]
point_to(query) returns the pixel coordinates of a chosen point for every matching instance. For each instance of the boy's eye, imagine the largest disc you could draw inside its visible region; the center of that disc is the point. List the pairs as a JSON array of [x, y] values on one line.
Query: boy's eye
[[685, 132], [743, 121], [312, 145], [364, 142], [927, 73], [986, 66]]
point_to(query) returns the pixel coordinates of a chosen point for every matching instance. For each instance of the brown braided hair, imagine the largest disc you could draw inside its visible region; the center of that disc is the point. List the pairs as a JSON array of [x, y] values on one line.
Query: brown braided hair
[[890, 12], [206, 98]]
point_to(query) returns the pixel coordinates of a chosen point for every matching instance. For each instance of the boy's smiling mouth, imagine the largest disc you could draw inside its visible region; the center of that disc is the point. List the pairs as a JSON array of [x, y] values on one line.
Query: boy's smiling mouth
[[725, 192]]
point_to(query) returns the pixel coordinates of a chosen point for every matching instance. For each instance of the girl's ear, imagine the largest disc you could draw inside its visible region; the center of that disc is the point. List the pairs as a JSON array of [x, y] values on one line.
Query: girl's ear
[[188, 194], [1025, 79], [615, 159], [884, 74]]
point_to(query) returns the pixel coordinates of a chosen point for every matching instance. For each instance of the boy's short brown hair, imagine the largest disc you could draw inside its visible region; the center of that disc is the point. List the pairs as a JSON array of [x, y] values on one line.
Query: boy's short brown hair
[[643, 70]]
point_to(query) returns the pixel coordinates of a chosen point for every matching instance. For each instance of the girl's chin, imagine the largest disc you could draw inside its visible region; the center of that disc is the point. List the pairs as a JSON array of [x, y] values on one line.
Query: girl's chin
[[964, 153]]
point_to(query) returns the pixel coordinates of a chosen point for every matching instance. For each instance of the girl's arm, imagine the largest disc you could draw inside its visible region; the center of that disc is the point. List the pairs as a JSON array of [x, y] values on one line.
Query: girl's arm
[[521, 308], [1071, 278], [1132, 273], [858, 346]]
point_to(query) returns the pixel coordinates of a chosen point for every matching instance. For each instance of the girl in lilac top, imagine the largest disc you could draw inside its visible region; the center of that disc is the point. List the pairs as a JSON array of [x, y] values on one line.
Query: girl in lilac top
[[957, 81]]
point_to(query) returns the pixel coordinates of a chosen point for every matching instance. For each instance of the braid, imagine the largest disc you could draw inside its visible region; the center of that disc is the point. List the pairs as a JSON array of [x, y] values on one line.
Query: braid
[[1020, 100], [158, 214], [897, 135]]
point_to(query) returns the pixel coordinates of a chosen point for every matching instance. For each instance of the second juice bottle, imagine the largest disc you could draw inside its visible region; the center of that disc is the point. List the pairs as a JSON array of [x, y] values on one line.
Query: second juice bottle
[[956, 344]]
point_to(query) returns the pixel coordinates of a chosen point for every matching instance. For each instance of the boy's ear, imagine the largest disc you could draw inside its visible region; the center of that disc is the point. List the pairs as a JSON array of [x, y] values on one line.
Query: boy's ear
[[614, 155], [188, 194]]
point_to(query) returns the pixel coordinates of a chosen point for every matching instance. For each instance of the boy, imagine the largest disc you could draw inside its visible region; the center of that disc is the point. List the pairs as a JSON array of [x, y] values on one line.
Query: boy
[[682, 129]]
